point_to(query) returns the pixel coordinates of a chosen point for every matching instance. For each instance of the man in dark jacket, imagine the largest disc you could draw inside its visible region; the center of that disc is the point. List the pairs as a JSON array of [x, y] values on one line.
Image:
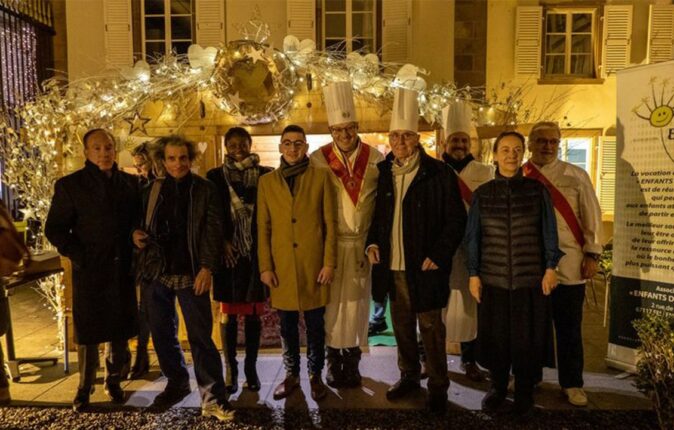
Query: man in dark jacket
[[90, 221], [186, 222], [418, 224]]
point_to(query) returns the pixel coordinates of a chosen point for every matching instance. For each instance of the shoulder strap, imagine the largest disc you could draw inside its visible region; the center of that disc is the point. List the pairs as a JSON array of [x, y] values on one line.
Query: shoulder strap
[[152, 201]]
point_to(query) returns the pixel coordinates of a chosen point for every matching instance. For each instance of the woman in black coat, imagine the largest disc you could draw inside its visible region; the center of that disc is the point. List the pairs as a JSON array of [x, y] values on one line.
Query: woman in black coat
[[512, 247], [238, 285], [90, 222]]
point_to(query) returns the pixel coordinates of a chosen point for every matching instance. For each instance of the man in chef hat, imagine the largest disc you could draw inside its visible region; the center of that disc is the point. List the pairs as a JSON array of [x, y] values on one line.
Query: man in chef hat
[[352, 166], [461, 315], [418, 224]]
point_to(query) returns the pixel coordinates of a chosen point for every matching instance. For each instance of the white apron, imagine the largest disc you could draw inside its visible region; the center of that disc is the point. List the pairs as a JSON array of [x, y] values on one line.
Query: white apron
[[460, 315], [348, 309]]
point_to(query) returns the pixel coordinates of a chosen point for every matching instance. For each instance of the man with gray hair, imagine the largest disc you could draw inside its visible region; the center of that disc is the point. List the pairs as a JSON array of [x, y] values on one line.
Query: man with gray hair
[[579, 229]]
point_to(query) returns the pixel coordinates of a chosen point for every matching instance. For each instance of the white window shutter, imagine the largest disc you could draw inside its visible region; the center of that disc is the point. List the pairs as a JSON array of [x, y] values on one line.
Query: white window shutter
[[607, 171], [617, 38], [528, 36], [396, 30], [118, 34], [302, 19], [660, 33], [210, 15]]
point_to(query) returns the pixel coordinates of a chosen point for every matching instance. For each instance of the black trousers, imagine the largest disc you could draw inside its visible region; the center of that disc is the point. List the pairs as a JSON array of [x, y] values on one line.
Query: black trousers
[[567, 315], [468, 352], [116, 355]]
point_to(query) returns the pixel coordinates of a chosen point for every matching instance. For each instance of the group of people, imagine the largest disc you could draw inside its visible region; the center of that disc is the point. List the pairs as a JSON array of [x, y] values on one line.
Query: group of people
[[462, 251]]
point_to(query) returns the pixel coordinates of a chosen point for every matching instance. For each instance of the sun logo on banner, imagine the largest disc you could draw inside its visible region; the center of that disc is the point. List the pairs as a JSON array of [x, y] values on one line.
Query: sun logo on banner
[[660, 113]]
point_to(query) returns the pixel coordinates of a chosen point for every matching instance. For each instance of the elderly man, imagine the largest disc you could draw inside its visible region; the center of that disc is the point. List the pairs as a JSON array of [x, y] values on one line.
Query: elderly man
[[297, 227], [461, 317], [352, 167], [183, 216], [418, 225], [579, 229], [90, 221]]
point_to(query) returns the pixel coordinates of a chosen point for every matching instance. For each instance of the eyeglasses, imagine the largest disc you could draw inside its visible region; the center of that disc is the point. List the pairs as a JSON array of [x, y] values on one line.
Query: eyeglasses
[[543, 141], [294, 143], [349, 129], [407, 136]]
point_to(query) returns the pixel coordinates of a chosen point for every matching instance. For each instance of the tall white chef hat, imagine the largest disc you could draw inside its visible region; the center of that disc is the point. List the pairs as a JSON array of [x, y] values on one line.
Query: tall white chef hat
[[405, 114], [456, 117], [339, 103]]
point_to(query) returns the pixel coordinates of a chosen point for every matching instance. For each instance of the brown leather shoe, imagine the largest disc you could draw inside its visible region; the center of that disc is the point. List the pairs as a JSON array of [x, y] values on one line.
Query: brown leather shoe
[[318, 390], [285, 388]]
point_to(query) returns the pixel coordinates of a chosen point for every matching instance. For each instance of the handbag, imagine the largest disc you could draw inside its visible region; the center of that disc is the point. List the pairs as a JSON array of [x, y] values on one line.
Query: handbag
[[12, 249], [151, 262]]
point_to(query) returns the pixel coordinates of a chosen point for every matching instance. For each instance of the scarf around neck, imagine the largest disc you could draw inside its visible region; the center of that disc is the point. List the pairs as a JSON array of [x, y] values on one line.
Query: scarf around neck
[[290, 172], [246, 172], [409, 165], [457, 165]]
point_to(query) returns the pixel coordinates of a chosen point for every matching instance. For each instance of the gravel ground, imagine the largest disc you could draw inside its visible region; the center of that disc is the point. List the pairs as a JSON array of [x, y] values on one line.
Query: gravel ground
[[262, 418]]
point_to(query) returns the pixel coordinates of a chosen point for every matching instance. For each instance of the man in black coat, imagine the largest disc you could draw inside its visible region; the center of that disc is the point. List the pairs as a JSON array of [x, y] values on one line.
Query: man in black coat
[[90, 221], [418, 223]]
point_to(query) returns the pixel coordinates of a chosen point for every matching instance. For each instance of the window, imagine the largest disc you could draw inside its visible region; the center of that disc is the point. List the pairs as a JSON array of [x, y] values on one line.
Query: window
[[349, 25], [577, 151], [167, 25], [569, 43]]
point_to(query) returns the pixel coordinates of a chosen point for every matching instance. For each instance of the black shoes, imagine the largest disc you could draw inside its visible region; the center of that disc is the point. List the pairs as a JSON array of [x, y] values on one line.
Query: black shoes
[[114, 392], [374, 328], [334, 376], [401, 389], [81, 401], [473, 372], [493, 400], [141, 366], [252, 380], [170, 396]]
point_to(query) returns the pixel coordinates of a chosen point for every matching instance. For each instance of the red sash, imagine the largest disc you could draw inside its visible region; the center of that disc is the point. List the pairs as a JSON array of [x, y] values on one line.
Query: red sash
[[352, 184], [466, 193], [561, 204]]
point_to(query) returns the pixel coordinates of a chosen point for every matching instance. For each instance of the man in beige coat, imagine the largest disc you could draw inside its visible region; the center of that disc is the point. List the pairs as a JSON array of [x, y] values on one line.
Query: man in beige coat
[[297, 249]]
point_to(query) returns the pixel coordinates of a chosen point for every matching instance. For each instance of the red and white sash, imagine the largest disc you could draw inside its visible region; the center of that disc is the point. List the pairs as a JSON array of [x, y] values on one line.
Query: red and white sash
[[559, 201], [466, 193], [352, 182]]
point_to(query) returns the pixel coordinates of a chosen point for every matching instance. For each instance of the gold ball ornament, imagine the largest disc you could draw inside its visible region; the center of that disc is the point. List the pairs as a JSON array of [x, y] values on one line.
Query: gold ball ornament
[[253, 83]]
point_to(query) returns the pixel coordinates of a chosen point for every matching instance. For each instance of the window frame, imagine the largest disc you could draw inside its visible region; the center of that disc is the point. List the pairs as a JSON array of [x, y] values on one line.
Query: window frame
[[594, 41], [167, 15], [349, 13]]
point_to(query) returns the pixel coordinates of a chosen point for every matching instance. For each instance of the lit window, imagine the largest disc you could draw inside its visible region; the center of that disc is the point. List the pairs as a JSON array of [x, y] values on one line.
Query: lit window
[[577, 151], [569, 42], [349, 25], [167, 26]]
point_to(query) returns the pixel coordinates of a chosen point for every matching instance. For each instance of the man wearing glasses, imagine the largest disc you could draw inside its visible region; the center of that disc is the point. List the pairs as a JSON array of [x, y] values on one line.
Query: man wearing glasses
[[418, 224], [297, 247], [579, 229], [352, 167]]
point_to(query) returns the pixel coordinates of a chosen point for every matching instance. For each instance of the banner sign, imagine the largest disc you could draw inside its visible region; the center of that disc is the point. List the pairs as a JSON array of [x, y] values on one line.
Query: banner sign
[[643, 229]]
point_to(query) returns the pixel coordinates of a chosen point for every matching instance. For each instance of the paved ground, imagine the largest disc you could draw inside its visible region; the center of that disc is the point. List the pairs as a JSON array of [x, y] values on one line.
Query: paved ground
[[47, 386]]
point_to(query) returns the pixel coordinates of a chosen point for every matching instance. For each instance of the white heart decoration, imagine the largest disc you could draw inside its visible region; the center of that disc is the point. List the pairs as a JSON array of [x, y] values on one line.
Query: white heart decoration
[[201, 58], [203, 146], [307, 45], [140, 70], [291, 43]]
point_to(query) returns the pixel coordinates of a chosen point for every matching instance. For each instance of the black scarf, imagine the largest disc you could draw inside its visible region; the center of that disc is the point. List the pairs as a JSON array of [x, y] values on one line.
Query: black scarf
[[457, 165], [290, 172]]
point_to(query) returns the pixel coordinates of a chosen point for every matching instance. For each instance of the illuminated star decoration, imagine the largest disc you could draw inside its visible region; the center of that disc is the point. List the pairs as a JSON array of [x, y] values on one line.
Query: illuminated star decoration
[[235, 99], [256, 55], [137, 123], [28, 213]]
